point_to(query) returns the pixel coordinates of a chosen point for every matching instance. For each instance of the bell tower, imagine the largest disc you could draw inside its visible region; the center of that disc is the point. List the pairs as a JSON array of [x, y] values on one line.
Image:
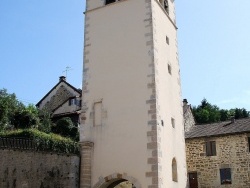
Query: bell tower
[[132, 121]]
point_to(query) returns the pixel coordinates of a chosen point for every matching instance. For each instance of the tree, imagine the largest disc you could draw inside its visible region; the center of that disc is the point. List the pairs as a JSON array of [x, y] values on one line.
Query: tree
[[14, 114], [208, 113], [224, 115], [9, 106], [46, 123], [66, 127], [241, 113]]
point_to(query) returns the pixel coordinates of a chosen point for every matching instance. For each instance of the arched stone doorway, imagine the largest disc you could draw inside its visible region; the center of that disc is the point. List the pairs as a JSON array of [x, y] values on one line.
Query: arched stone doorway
[[121, 183], [117, 180]]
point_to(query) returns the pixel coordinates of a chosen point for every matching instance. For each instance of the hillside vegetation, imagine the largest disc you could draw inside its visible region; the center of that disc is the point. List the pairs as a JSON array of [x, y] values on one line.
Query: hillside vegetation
[[20, 121]]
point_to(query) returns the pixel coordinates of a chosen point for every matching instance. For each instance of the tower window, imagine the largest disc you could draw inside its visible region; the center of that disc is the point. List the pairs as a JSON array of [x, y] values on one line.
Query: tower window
[[174, 170], [110, 1], [169, 69], [167, 40], [164, 3], [166, 7], [173, 122]]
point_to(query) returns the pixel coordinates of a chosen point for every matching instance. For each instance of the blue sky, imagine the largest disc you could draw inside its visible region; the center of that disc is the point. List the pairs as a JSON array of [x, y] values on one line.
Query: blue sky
[[39, 39]]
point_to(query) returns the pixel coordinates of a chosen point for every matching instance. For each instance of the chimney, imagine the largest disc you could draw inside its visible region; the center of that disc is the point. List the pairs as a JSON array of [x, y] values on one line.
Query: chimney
[[62, 78], [185, 102]]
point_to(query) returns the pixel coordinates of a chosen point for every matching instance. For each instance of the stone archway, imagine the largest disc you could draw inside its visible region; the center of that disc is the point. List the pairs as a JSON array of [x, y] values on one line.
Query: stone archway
[[117, 179]]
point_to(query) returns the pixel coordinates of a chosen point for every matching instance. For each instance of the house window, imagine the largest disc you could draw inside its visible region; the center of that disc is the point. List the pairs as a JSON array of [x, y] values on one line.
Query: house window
[[74, 101], [211, 148], [173, 122], [110, 1], [167, 40], [169, 69], [174, 170], [71, 102], [78, 102], [225, 176]]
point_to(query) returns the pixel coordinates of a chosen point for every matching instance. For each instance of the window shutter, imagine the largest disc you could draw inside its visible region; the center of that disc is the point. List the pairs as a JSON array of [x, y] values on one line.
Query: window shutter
[[213, 144], [208, 149]]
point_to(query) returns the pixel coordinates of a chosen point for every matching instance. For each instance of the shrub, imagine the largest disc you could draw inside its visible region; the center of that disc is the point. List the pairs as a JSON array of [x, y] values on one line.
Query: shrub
[[45, 142], [66, 127], [46, 122]]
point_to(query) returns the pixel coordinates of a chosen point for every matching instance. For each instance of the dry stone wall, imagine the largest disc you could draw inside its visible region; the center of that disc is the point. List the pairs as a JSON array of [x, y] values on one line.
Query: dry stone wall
[[27, 169], [232, 151]]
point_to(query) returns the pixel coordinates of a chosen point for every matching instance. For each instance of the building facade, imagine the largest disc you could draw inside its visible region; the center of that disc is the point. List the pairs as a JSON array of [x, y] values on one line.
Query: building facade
[[218, 155], [132, 117], [63, 100]]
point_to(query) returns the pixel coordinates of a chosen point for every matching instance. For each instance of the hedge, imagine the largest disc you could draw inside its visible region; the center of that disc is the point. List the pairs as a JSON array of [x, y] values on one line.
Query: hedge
[[45, 142]]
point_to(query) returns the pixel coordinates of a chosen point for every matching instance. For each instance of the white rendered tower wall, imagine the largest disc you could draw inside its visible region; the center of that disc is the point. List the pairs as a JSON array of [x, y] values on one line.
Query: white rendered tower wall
[[132, 123]]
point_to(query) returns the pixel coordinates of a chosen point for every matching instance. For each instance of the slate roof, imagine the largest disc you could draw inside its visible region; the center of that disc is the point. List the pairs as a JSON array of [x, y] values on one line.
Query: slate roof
[[218, 129]]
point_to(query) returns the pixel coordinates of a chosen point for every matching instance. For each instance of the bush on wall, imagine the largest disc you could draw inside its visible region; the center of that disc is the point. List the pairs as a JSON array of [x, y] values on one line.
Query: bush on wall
[[45, 142]]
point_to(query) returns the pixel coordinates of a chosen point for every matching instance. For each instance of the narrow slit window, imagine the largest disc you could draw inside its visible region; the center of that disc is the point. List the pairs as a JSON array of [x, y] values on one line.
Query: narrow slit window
[[167, 40], [173, 122], [109, 1], [174, 170], [169, 69]]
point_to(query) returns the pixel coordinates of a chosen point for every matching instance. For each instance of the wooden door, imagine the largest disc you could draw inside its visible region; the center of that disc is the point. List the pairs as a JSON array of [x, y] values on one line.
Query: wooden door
[[193, 180]]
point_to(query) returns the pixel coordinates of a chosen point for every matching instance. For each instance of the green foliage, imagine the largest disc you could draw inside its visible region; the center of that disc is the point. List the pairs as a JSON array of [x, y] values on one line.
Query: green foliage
[[45, 142], [208, 113], [9, 108], [18, 120], [26, 117], [14, 114], [66, 127], [46, 122]]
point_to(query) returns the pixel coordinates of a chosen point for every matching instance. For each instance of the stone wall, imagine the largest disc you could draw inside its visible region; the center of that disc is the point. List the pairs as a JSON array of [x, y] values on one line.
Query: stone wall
[[60, 96], [189, 120], [231, 152], [28, 169]]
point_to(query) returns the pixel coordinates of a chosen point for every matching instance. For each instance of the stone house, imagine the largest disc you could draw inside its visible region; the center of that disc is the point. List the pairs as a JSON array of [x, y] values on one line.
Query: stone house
[[218, 154], [63, 100], [188, 116]]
